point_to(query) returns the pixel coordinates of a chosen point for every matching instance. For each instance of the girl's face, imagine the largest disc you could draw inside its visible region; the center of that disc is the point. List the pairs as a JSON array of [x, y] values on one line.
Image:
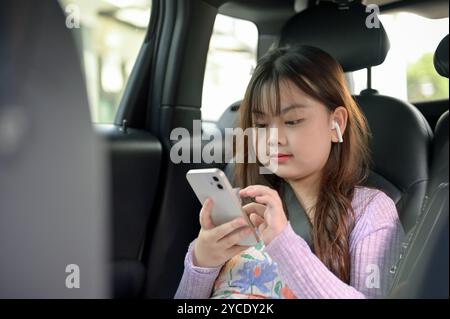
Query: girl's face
[[304, 133]]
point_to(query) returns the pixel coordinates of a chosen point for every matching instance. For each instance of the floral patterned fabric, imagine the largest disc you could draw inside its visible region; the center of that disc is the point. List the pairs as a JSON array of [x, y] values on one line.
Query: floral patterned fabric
[[251, 274]]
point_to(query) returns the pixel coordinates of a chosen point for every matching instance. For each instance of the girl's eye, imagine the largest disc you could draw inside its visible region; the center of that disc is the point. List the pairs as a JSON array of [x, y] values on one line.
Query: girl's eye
[[260, 125], [294, 122]]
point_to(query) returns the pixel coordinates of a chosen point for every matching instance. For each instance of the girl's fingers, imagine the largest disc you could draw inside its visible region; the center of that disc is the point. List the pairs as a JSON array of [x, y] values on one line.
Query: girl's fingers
[[259, 222], [265, 200], [205, 215], [256, 220], [254, 208], [223, 230], [235, 237], [262, 227], [257, 190]]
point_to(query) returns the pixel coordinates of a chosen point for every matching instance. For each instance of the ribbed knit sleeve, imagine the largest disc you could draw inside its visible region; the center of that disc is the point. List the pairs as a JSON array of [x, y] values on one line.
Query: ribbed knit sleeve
[[374, 248], [196, 282]]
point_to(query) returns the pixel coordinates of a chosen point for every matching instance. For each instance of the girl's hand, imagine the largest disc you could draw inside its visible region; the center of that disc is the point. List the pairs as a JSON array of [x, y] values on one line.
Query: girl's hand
[[267, 213], [217, 244]]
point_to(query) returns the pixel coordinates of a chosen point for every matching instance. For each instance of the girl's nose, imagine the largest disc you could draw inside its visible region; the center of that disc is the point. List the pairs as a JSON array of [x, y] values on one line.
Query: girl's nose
[[276, 137]]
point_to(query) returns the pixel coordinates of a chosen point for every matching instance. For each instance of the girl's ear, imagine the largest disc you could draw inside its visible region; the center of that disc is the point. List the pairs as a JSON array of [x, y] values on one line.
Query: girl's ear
[[340, 117]]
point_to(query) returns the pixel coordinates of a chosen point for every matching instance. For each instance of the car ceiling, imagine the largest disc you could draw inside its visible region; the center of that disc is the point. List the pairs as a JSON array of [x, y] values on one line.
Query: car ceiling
[[261, 11]]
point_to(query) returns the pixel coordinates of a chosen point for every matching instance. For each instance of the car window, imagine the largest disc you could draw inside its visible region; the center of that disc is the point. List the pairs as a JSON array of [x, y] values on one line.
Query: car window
[[230, 62], [408, 72], [109, 34]]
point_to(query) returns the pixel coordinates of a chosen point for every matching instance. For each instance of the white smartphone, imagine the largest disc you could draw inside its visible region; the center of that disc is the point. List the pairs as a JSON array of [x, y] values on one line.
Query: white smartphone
[[213, 183]]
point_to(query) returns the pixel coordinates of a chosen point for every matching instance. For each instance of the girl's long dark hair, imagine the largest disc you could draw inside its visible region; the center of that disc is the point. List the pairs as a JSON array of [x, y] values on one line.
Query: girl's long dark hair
[[318, 75]]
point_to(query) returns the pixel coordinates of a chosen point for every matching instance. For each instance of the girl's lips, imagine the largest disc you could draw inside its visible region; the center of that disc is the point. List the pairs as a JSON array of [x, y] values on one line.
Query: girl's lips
[[281, 158]]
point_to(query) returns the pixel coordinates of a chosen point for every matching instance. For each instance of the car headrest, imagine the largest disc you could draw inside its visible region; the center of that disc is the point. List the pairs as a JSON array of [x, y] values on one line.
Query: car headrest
[[340, 32], [441, 57]]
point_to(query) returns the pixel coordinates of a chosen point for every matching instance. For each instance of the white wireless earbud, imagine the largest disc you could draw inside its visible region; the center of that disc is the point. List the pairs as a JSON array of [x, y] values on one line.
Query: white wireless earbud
[[336, 127]]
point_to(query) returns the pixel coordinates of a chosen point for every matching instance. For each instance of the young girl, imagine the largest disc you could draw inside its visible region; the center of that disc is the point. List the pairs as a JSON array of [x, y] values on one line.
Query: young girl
[[353, 232]]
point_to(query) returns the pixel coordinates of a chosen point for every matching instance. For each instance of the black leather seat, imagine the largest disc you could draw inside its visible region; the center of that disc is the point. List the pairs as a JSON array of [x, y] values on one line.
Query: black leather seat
[[400, 145], [423, 270], [401, 135]]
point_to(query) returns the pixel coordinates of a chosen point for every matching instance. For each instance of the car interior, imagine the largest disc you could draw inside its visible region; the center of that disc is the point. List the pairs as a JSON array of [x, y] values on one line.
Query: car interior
[[111, 194]]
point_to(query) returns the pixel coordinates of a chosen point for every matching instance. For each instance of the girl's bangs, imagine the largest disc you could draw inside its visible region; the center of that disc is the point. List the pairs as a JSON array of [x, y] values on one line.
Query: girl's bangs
[[265, 99]]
